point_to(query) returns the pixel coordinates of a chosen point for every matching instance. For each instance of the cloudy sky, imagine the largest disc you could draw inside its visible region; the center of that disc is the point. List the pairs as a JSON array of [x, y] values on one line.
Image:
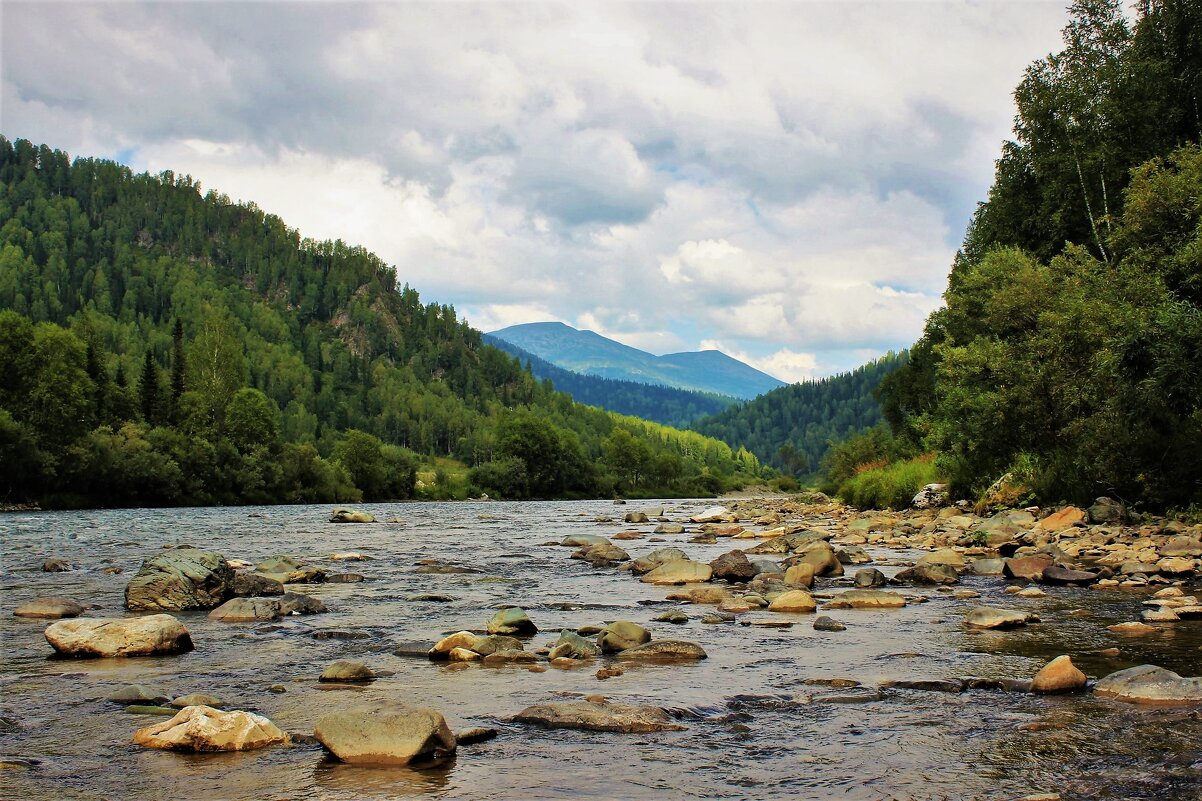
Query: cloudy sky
[[784, 181]]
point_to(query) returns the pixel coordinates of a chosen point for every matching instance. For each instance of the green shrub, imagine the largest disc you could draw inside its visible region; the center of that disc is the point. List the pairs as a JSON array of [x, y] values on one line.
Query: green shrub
[[891, 486]]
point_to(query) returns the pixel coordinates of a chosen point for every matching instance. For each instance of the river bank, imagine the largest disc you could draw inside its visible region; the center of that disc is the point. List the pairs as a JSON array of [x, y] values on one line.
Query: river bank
[[902, 701]]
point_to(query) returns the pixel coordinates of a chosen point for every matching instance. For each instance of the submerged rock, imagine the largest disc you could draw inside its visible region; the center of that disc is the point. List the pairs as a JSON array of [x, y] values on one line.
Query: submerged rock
[[49, 607], [990, 617], [85, 638], [344, 670], [664, 651], [246, 610], [136, 694], [604, 716], [202, 728], [387, 733], [866, 599]]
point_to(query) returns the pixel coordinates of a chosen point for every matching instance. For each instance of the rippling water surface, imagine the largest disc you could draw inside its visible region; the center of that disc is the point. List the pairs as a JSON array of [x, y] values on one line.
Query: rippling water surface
[[760, 724]]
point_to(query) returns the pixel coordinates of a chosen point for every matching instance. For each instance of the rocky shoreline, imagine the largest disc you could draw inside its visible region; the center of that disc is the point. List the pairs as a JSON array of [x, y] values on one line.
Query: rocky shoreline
[[798, 563]]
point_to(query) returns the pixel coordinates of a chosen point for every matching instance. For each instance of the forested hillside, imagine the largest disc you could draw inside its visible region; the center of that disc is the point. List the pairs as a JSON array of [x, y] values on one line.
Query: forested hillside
[[667, 405], [1069, 354], [790, 428], [164, 346]]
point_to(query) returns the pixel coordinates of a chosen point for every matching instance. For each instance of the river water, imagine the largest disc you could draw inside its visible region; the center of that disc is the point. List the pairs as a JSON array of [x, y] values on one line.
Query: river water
[[760, 721]]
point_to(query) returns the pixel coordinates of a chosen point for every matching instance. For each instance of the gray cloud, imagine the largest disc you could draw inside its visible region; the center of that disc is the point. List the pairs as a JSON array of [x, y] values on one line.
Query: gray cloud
[[561, 158]]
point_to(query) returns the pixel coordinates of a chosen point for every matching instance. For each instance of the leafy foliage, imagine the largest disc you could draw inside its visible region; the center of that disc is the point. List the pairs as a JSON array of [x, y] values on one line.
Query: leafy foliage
[[1080, 365]]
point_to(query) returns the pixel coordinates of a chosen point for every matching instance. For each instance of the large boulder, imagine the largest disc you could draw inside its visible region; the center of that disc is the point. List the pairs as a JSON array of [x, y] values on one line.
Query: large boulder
[[1058, 676], [181, 578], [286, 570], [513, 621], [929, 574], [1054, 574], [1107, 510], [246, 610], [800, 575], [342, 515], [571, 644], [932, 496], [1149, 684], [793, 601], [386, 733], [202, 728], [714, 514], [866, 578], [253, 585], [1029, 568], [581, 540], [49, 608], [603, 716], [1066, 518], [991, 617], [733, 566], [682, 571], [645, 564], [622, 634], [85, 637], [664, 651], [460, 640], [821, 556], [602, 555], [944, 556], [293, 603], [866, 599], [345, 670]]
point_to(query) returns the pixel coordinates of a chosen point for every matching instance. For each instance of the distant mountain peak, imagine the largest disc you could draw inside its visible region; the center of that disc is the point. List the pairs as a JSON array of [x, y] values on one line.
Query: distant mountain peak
[[590, 353]]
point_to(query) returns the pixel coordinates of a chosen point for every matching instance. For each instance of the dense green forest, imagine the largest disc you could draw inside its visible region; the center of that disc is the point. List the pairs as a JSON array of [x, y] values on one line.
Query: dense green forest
[[164, 346], [1069, 353], [660, 404], [791, 428]]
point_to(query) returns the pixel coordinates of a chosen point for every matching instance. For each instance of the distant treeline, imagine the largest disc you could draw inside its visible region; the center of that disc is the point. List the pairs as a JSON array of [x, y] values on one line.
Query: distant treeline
[[791, 428]]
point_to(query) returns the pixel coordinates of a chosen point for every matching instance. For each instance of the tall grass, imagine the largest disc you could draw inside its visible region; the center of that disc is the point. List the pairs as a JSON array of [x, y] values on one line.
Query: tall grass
[[889, 486]]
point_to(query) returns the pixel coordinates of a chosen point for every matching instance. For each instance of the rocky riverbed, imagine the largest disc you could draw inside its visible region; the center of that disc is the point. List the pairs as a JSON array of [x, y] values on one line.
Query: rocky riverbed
[[762, 648]]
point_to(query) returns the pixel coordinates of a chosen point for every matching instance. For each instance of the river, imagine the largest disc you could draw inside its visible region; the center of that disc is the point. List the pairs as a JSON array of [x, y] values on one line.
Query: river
[[761, 722]]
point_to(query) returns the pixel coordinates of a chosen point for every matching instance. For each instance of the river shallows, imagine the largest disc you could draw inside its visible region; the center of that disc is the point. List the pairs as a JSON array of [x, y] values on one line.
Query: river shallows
[[760, 721]]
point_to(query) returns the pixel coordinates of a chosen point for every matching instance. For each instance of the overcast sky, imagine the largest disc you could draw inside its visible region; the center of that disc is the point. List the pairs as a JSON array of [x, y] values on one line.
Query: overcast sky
[[784, 181]]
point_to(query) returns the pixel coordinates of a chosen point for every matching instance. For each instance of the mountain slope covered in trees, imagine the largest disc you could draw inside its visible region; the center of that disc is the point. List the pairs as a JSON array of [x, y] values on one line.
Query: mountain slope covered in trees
[[1069, 353], [667, 405], [790, 428], [164, 346]]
